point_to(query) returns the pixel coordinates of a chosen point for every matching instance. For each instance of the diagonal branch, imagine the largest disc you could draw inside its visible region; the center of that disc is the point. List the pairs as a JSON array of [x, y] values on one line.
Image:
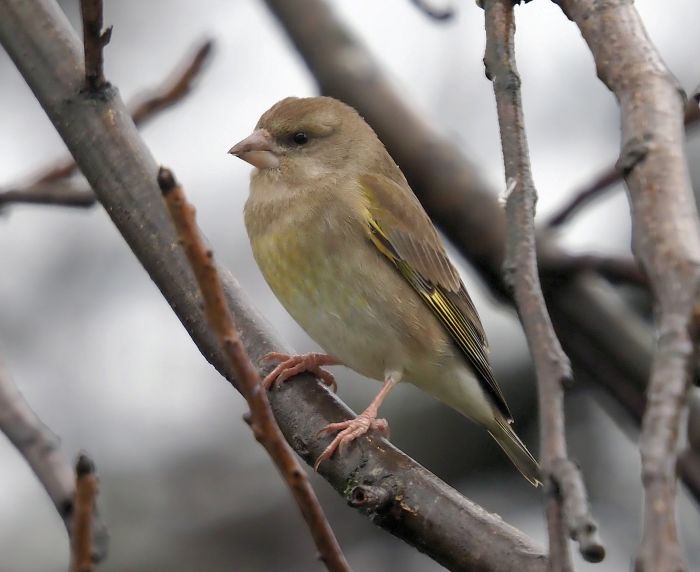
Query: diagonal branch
[[262, 420], [40, 448], [566, 512], [414, 504], [666, 241], [607, 178]]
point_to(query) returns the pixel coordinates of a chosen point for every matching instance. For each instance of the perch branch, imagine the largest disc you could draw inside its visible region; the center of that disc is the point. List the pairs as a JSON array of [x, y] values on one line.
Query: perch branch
[[607, 178], [465, 208], [83, 514], [262, 420], [666, 241], [40, 448], [520, 266], [94, 41], [416, 506]]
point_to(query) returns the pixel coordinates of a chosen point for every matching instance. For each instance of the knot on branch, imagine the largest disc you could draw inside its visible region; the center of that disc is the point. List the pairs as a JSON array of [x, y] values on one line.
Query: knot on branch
[[565, 476], [633, 152]]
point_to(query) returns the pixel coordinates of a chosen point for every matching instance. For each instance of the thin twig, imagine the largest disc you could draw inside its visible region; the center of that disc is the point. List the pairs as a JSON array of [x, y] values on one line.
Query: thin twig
[[58, 193], [666, 242], [520, 267], [262, 420], [40, 448], [83, 514], [94, 41], [616, 270], [175, 87], [604, 181], [437, 14]]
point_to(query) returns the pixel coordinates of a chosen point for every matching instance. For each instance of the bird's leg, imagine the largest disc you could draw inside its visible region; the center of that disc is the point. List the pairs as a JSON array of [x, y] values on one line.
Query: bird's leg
[[353, 428], [292, 365]]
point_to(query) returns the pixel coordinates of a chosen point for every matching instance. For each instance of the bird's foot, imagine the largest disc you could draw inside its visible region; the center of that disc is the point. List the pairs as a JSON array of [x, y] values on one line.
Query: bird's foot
[[349, 431], [290, 366]]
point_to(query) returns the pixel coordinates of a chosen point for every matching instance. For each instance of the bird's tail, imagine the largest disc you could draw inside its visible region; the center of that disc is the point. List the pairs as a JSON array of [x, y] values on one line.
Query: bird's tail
[[511, 444]]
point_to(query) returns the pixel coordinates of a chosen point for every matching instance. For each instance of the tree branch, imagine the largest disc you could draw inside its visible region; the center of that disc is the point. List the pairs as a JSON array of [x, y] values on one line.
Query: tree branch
[[416, 506], [94, 40], [40, 448], [437, 14], [465, 208], [604, 181], [551, 364], [84, 511], [58, 193], [666, 241], [262, 420], [173, 89]]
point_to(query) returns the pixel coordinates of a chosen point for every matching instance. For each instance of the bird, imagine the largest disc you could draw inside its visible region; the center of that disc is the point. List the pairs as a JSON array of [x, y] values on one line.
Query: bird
[[346, 247]]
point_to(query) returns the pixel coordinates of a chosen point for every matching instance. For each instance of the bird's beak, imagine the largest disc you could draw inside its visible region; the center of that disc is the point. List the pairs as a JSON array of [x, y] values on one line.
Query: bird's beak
[[257, 149]]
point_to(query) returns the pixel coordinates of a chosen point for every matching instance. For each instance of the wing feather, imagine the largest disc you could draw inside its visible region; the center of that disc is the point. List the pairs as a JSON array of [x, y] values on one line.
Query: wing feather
[[401, 231]]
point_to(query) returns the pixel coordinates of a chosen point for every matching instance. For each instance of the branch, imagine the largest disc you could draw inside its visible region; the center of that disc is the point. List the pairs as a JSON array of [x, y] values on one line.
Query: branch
[[262, 420], [40, 448], [59, 193], [94, 40], [607, 178], [666, 241], [615, 270], [416, 506], [173, 89], [551, 364], [84, 511], [437, 14]]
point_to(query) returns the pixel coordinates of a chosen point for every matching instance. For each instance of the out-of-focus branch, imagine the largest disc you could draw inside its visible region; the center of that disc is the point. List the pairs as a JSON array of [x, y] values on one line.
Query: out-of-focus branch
[[414, 505], [604, 181], [261, 419], [615, 270], [465, 208], [437, 14], [94, 41], [58, 193], [666, 241], [83, 515], [173, 89], [565, 515], [40, 448]]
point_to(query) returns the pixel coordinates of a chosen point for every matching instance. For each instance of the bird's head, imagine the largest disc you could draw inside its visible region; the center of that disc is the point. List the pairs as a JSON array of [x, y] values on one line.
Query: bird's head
[[304, 138]]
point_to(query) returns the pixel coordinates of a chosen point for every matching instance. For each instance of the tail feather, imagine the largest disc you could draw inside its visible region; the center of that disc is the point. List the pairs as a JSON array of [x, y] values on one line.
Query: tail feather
[[517, 452]]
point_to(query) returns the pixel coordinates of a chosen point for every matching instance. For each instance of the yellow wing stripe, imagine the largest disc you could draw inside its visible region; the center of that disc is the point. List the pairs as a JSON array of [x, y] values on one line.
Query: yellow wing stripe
[[459, 328]]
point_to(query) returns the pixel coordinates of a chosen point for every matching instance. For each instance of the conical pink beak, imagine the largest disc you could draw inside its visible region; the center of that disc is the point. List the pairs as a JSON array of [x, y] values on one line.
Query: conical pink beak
[[257, 149]]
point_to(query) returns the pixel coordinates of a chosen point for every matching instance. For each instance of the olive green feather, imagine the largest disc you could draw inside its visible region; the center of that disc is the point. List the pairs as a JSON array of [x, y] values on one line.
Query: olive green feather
[[401, 231]]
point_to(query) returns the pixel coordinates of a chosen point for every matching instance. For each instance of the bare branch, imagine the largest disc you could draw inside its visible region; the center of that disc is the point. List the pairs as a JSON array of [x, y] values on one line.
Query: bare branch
[[40, 448], [607, 178], [58, 193], [262, 420], [173, 89], [422, 510], [94, 40], [615, 270], [83, 515], [666, 241], [520, 267], [437, 14]]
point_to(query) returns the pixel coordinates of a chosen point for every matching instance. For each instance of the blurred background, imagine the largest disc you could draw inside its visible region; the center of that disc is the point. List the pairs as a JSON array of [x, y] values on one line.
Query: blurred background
[[103, 360]]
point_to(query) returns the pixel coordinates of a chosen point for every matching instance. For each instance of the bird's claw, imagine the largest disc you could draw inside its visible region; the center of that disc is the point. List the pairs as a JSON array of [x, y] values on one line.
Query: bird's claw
[[348, 431], [291, 365]]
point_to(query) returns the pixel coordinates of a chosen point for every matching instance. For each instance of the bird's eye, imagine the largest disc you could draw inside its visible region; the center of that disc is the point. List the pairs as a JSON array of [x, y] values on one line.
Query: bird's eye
[[300, 138]]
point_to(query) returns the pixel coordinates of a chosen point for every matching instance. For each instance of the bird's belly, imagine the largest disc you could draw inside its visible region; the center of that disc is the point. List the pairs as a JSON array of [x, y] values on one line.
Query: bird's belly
[[363, 314]]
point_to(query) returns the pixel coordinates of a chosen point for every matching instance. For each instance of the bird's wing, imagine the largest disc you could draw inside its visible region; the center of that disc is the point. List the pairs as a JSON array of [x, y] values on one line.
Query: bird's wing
[[401, 230]]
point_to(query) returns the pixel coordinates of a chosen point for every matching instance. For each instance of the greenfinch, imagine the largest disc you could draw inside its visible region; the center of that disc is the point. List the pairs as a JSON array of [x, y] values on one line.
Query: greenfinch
[[349, 251]]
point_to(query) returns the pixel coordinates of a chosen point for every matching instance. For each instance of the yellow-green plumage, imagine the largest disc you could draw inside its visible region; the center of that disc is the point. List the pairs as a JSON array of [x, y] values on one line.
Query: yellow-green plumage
[[348, 250]]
